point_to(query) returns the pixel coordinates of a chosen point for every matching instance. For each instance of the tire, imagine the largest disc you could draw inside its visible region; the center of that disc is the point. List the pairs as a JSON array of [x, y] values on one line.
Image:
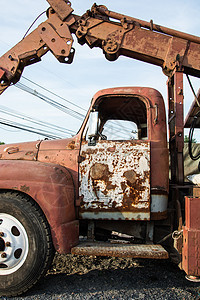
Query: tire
[[26, 248]]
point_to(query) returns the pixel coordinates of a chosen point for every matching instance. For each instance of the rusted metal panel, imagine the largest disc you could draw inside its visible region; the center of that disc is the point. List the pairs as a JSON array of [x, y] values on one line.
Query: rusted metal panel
[[32, 47], [191, 250], [132, 39], [63, 152], [51, 186], [176, 126], [115, 185], [21, 151], [157, 131], [192, 213], [120, 250], [2, 73], [191, 237], [149, 25], [62, 8], [54, 41]]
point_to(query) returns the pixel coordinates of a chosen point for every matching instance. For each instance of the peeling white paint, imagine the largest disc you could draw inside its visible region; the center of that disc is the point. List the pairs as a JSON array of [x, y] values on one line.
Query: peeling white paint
[[113, 191]]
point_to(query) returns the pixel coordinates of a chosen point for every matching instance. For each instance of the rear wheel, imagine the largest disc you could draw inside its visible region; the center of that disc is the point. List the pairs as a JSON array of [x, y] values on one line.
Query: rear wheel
[[26, 249]]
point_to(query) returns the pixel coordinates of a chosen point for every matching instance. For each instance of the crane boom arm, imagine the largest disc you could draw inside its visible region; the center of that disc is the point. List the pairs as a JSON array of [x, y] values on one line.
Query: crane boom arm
[[139, 39], [52, 35], [115, 33]]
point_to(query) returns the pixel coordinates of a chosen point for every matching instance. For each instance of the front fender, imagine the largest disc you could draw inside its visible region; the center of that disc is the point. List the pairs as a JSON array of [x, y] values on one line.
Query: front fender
[[52, 187]]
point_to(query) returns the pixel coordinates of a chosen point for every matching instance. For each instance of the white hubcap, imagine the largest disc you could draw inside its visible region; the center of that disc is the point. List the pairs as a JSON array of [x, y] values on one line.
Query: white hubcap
[[13, 244]]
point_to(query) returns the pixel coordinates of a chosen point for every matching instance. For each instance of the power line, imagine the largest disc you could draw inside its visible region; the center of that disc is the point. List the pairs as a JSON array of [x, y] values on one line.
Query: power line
[[28, 128], [48, 100], [54, 94], [60, 106], [119, 127], [21, 116], [79, 116], [10, 130]]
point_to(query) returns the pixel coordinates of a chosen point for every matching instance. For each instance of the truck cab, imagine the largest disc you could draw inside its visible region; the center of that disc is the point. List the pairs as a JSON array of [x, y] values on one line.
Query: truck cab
[[109, 181], [118, 163], [123, 150]]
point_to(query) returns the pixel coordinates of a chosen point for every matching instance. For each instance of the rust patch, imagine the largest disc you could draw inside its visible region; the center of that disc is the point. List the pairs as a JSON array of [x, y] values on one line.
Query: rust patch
[[98, 171], [11, 150], [89, 151], [131, 176], [133, 195], [30, 153], [24, 188], [111, 186], [123, 186], [71, 145], [112, 149], [120, 250], [128, 201], [114, 203], [158, 215]]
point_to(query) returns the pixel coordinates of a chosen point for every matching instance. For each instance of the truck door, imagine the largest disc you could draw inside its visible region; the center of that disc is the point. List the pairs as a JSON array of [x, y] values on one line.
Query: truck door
[[115, 168]]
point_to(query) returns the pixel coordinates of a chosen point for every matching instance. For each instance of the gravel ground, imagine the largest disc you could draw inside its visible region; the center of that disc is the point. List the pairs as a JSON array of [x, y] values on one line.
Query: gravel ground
[[77, 277]]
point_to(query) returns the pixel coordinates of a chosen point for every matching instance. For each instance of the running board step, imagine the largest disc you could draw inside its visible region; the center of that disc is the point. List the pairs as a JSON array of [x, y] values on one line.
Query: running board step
[[120, 250]]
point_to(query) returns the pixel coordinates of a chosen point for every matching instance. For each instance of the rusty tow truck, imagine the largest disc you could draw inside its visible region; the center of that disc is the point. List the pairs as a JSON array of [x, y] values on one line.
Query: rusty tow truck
[[54, 191]]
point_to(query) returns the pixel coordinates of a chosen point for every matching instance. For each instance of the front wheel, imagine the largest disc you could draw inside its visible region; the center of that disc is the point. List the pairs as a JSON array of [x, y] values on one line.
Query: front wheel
[[26, 249]]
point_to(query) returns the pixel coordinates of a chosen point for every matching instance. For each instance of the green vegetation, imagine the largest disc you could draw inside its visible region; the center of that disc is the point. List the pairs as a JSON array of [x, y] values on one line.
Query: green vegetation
[[186, 139]]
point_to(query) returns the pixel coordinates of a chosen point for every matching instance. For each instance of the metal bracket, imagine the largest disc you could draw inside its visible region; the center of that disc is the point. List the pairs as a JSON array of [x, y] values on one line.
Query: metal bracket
[[61, 7], [92, 142], [57, 45], [149, 232], [90, 232]]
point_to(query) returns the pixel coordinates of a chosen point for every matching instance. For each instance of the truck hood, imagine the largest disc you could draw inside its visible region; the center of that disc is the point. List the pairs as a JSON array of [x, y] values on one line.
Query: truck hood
[[31, 150], [20, 151]]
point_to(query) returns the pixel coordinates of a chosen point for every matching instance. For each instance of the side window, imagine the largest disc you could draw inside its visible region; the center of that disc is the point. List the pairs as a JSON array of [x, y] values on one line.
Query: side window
[[120, 130], [124, 130], [117, 117]]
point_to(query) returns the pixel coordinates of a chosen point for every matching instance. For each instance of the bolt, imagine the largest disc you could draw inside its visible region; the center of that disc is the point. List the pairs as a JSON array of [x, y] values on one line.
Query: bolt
[[63, 51], [3, 255], [79, 33], [10, 57], [8, 244], [1, 234], [43, 28]]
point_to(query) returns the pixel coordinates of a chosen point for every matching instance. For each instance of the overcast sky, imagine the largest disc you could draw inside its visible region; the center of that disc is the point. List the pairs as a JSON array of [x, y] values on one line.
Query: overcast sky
[[90, 71]]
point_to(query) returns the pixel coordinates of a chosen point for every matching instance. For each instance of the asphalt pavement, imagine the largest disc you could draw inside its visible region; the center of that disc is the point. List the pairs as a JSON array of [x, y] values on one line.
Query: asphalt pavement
[[112, 278]]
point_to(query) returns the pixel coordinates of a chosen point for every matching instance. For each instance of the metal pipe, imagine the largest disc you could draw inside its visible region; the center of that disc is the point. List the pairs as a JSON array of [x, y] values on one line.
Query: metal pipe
[[150, 25]]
